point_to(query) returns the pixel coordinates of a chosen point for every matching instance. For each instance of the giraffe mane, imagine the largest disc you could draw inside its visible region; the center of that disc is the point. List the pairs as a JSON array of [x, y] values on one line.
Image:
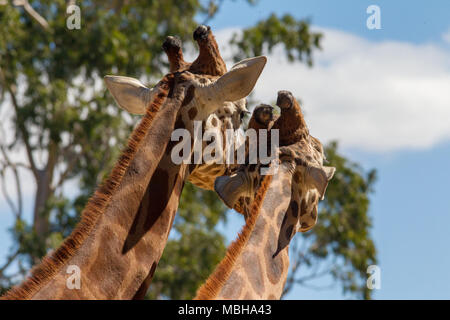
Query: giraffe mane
[[95, 207], [210, 289]]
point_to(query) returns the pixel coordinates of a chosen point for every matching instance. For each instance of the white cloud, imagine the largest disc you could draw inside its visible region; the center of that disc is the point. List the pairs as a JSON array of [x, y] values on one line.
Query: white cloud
[[446, 36], [374, 96]]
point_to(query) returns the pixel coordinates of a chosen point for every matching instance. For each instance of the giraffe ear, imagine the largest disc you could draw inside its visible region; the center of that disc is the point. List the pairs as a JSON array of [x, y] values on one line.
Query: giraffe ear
[[129, 93], [320, 177], [240, 80]]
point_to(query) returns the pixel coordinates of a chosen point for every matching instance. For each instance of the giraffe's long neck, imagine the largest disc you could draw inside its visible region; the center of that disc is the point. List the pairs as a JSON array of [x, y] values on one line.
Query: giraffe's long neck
[[118, 247], [250, 270], [155, 217], [119, 258]]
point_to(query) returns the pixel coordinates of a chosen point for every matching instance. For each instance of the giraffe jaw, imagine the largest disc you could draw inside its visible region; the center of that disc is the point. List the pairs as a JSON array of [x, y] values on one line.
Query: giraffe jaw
[[231, 188]]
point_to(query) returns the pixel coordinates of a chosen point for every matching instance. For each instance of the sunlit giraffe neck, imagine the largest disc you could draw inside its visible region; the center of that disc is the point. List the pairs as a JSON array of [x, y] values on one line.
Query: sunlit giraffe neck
[[256, 264], [250, 270]]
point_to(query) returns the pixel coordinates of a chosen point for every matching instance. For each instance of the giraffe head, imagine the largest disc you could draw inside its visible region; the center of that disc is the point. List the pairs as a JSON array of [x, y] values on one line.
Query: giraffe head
[[309, 177], [203, 92], [229, 116]]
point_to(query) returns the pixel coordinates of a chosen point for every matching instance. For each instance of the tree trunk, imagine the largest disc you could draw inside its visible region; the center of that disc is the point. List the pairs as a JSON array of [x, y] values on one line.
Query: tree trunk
[[40, 221], [41, 218]]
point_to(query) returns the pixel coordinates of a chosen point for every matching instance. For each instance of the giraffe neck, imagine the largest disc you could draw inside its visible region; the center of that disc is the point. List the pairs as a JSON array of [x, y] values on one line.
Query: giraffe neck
[[120, 256], [114, 248], [250, 270], [155, 217]]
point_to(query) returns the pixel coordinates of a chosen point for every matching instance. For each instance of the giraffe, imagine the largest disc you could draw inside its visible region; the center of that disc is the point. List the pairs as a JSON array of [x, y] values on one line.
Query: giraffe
[[124, 226], [256, 263]]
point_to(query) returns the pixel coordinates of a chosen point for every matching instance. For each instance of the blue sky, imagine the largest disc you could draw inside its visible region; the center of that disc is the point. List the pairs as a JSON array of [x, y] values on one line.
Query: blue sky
[[385, 96], [411, 21]]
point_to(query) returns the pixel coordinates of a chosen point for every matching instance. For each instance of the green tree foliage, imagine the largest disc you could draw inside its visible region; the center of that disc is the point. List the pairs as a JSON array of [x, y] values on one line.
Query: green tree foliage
[[70, 132], [295, 35]]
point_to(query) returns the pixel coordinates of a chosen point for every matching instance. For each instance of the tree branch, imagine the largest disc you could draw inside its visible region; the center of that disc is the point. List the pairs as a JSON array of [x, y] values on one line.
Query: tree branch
[[210, 14], [299, 258], [52, 160], [21, 126], [29, 9], [10, 260], [8, 199], [67, 171], [8, 164]]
